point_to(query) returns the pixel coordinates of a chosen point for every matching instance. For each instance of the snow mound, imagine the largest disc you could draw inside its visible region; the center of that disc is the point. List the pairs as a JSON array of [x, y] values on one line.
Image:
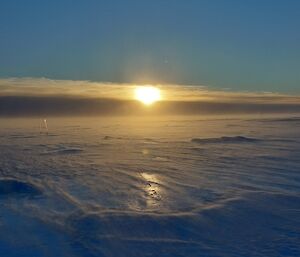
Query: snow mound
[[12, 187], [61, 150], [225, 139]]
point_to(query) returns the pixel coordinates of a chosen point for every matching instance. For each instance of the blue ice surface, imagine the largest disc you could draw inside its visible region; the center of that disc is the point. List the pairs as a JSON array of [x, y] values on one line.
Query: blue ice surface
[[185, 191]]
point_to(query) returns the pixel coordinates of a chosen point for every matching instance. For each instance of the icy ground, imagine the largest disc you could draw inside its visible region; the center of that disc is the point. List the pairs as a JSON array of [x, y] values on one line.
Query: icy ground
[[163, 188]]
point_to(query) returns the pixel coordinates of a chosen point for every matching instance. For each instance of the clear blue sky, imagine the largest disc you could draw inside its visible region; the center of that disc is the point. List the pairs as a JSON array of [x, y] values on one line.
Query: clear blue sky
[[239, 44]]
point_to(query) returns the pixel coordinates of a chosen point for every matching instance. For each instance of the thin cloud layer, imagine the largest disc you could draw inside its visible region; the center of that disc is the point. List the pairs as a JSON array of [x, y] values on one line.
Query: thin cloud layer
[[32, 96]]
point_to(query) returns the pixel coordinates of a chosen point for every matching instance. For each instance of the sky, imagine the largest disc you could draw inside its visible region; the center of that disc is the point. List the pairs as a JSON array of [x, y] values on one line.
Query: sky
[[250, 45]]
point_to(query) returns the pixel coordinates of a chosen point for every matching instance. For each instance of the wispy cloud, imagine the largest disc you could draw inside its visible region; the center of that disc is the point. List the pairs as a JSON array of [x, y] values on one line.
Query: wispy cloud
[[49, 87], [36, 96]]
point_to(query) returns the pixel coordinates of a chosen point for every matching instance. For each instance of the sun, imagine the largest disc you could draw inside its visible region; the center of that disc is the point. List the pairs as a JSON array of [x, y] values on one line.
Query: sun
[[147, 94]]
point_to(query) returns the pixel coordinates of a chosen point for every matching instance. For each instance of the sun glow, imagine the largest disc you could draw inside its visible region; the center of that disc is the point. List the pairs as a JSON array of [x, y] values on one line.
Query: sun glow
[[147, 94]]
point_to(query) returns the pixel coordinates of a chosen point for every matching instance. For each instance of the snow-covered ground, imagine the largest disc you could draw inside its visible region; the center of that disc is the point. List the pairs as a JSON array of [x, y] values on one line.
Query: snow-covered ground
[[137, 187]]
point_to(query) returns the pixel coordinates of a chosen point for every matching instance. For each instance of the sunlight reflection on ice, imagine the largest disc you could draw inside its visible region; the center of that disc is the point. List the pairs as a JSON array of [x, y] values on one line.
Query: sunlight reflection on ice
[[145, 151], [152, 189]]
